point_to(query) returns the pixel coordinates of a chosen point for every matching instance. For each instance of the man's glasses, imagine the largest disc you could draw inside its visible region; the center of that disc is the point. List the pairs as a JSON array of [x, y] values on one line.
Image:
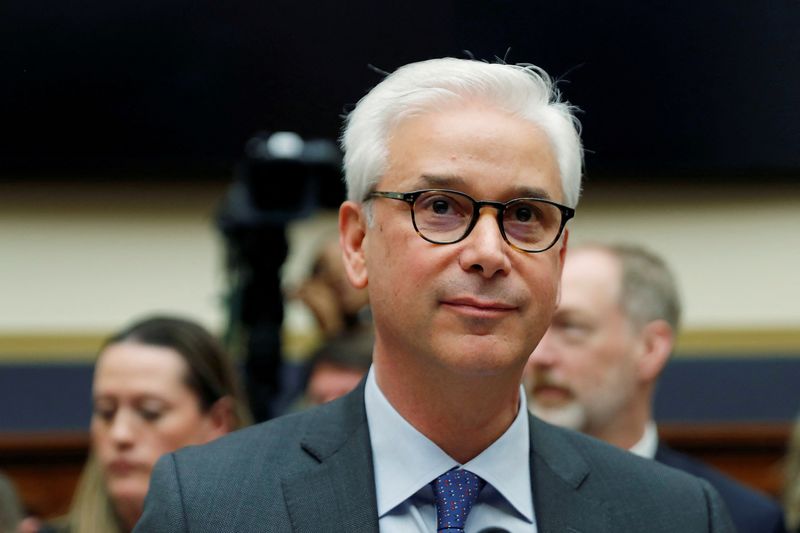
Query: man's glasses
[[442, 216]]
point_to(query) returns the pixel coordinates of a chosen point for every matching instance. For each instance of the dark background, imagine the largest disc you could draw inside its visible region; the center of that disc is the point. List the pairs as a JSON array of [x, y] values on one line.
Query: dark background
[[173, 89]]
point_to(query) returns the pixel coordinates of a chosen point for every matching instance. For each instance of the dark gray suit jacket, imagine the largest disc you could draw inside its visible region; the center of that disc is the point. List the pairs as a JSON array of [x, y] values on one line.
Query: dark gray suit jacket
[[312, 472], [751, 511]]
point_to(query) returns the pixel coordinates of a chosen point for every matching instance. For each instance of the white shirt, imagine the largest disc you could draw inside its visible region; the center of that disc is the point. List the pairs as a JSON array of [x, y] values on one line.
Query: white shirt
[[406, 461], [647, 445]]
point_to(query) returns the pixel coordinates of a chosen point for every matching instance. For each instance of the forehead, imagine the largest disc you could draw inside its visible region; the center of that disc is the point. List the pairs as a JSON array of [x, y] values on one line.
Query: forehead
[[134, 367], [590, 280], [473, 147]]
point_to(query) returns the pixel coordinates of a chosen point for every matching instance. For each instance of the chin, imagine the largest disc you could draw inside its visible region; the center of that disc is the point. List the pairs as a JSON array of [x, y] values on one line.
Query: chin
[[128, 491]]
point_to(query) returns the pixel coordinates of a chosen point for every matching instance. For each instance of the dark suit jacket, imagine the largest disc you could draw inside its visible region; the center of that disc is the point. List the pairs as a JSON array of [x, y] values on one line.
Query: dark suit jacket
[[751, 511], [312, 472]]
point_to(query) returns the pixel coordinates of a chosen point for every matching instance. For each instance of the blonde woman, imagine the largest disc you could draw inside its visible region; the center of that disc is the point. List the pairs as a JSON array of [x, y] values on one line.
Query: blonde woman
[[160, 384]]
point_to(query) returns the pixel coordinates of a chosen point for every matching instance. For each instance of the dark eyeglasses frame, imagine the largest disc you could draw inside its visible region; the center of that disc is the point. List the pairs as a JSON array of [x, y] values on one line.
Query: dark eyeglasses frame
[[411, 197]]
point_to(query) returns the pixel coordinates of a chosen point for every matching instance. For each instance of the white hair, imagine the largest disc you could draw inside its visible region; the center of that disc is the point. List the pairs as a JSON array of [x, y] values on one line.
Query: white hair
[[522, 90]]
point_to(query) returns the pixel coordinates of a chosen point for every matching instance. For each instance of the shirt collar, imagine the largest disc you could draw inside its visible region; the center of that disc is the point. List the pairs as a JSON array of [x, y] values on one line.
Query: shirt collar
[[647, 445], [405, 460]]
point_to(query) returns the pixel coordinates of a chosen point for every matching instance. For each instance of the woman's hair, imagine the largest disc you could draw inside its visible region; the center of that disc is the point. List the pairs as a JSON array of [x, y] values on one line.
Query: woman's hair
[[211, 376], [791, 489], [91, 510], [524, 91]]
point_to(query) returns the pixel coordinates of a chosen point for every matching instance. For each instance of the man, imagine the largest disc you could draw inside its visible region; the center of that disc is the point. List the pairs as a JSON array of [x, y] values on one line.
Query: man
[[438, 437], [596, 368]]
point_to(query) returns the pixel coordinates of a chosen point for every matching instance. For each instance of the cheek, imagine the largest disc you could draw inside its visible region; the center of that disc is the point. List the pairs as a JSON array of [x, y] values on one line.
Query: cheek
[[188, 432], [101, 441], [172, 433]]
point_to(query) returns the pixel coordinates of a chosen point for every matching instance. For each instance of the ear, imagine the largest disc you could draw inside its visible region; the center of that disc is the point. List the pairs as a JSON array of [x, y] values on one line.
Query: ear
[[657, 339], [352, 234], [220, 418], [562, 255]]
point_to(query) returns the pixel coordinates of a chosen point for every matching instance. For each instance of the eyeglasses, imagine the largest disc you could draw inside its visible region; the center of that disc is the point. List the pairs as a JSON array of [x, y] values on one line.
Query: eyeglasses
[[442, 216]]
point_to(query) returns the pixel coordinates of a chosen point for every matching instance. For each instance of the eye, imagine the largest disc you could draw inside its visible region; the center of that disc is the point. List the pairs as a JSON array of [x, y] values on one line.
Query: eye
[[440, 206], [572, 331], [104, 411], [150, 415], [151, 409], [523, 214], [524, 211]]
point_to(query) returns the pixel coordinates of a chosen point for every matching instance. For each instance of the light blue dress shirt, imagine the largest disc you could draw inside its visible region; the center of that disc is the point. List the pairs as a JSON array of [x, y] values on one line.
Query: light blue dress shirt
[[406, 461]]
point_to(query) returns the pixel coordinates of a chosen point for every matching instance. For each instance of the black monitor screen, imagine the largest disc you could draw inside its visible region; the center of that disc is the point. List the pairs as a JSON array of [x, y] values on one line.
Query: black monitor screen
[[177, 87]]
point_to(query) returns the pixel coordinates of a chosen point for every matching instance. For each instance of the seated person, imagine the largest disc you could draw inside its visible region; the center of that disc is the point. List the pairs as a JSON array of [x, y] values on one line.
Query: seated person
[[159, 384], [596, 368]]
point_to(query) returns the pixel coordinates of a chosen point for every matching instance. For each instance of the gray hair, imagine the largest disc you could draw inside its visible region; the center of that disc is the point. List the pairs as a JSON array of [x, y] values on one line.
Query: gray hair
[[523, 90], [648, 290]]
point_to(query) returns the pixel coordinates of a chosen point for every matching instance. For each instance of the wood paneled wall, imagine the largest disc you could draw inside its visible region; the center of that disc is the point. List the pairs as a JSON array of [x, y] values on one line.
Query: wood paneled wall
[[46, 466]]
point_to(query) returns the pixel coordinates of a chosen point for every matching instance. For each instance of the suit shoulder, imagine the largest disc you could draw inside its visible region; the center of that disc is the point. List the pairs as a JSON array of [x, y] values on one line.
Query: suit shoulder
[[272, 437], [751, 510], [608, 467]]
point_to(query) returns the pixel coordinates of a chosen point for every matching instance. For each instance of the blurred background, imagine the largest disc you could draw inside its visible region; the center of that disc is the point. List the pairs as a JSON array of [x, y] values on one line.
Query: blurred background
[[128, 128]]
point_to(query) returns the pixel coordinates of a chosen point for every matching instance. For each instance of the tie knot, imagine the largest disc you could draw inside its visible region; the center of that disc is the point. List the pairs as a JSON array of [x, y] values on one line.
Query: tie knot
[[456, 492]]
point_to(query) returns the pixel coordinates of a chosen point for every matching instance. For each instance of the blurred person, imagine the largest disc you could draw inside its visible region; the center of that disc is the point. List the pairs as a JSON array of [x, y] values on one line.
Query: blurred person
[[595, 370], [159, 384], [461, 177], [11, 513], [13, 518], [336, 305], [791, 490], [338, 366]]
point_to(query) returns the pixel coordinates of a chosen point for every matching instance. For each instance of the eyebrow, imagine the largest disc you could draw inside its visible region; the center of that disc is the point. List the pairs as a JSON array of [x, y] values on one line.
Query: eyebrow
[[456, 182]]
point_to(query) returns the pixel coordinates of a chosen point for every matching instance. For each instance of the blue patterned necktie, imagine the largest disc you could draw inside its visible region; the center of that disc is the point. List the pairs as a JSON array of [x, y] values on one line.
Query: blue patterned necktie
[[456, 492]]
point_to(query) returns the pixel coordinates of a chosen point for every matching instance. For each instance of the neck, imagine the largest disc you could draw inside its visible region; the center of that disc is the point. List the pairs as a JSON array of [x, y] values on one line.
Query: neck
[[463, 417], [128, 513], [627, 426]]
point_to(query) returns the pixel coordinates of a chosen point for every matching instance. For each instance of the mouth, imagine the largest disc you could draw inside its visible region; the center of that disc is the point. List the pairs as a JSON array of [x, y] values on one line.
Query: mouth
[[122, 467], [479, 307], [550, 395]]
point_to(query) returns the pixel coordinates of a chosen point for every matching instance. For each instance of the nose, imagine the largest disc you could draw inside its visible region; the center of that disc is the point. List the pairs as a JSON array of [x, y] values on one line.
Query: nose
[[122, 430], [486, 251], [545, 355]]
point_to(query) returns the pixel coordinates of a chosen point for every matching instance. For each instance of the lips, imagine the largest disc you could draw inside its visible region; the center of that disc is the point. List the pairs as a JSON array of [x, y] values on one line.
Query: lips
[[122, 467], [479, 306]]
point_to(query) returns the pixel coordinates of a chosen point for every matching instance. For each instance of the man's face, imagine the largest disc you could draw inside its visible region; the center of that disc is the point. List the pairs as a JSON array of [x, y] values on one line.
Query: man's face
[[476, 307], [582, 374]]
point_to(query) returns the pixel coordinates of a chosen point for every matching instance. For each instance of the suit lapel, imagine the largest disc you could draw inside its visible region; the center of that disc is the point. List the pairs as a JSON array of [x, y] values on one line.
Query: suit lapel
[[558, 473], [338, 493]]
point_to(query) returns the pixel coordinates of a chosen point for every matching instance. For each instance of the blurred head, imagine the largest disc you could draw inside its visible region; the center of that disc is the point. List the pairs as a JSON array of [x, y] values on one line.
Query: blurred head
[[160, 384], [339, 365], [612, 333], [330, 268], [523, 91]]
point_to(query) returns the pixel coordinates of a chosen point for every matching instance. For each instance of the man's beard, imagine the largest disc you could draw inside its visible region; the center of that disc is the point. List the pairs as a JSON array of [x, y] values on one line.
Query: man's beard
[[571, 415]]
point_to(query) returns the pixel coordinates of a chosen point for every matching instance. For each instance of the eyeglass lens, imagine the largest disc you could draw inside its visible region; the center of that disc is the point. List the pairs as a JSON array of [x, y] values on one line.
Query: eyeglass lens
[[445, 217]]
